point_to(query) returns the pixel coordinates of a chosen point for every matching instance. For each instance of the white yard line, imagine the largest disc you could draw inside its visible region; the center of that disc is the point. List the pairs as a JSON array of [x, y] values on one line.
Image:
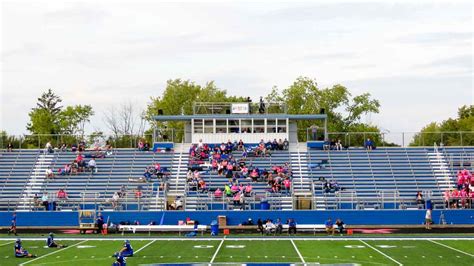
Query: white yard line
[[54, 252], [140, 249], [446, 246], [7, 243], [297, 251], [217, 251], [387, 256]]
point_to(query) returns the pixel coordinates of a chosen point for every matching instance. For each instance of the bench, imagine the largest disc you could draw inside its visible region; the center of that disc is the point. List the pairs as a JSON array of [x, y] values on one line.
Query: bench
[[161, 228]]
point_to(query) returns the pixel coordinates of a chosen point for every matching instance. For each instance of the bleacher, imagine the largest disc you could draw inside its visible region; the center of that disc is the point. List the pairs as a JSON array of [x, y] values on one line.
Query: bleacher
[[86, 189], [369, 178], [15, 168], [385, 178], [205, 201]]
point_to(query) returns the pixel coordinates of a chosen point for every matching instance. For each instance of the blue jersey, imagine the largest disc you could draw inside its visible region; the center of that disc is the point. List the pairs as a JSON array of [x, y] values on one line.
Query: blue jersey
[[50, 241], [14, 220], [329, 224], [18, 249], [121, 260], [128, 247]]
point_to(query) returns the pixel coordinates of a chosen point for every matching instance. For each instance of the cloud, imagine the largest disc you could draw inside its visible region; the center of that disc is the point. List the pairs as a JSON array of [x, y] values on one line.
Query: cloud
[[430, 38], [464, 61]]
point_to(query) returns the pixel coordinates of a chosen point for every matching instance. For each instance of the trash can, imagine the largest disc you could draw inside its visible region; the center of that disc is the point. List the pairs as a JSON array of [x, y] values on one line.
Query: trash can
[[264, 205], [214, 228]]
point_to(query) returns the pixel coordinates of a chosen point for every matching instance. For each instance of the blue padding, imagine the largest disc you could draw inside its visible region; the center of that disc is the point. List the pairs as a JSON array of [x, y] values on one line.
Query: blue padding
[[315, 144], [354, 217]]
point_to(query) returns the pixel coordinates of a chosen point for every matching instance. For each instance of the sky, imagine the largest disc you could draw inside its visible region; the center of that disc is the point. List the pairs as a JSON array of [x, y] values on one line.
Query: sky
[[415, 58]]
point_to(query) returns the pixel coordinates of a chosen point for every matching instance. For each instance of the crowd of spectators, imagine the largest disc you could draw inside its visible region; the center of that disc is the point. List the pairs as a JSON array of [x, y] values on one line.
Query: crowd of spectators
[[154, 170], [463, 195]]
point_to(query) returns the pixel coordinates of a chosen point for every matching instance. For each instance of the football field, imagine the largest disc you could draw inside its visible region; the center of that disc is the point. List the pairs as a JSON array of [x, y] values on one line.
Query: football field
[[341, 251]]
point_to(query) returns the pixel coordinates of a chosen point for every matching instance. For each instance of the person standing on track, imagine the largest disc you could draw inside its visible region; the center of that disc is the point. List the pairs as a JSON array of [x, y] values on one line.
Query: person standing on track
[[13, 225], [428, 219]]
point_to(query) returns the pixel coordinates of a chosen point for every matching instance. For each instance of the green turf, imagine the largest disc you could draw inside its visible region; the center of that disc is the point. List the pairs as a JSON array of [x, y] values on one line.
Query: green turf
[[88, 253], [409, 252], [335, 252], [176, 251], [257, 251], [34, 247], [327, 251], [463, 245]]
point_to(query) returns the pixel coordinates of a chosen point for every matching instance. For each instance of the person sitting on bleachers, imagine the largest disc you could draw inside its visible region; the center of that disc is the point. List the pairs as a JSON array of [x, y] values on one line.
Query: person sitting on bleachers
[[141, 145], [49, 147], [338, 145], [115, 200], [218, 193], [369, 144], [92, 166], [61, 194], [240, 145], [287, 185], [202, 186], [248, 190], [74, 167], [74, 147], [49, 173], [286, 144], [254, 175], [9, 147]]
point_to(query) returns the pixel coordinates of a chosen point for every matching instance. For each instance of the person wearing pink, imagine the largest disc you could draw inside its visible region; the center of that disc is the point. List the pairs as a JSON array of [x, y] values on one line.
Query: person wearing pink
[[446, 195], [234, 188], [254, 175], [248, 190], [218, 193], [287, 185], [460, 182]]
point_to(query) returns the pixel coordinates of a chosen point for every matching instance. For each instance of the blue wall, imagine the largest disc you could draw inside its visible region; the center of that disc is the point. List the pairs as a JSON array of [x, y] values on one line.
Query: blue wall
[[361, 217]]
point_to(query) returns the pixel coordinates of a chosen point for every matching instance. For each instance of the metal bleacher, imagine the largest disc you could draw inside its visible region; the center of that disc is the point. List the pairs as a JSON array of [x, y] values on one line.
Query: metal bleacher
[[15, 168], [373, 179], [86, 189]]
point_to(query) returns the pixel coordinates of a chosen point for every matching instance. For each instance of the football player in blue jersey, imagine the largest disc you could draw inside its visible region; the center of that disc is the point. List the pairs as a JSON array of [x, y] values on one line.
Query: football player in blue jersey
[[120, 261], [20, 252], [53, 244], [126, 251]]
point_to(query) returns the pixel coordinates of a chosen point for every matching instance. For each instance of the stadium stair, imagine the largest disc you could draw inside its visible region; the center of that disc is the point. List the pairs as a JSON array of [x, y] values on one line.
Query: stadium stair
[[35, 181]]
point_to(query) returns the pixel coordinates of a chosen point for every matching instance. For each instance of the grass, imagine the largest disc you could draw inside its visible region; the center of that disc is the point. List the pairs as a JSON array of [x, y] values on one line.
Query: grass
[[257, 250]]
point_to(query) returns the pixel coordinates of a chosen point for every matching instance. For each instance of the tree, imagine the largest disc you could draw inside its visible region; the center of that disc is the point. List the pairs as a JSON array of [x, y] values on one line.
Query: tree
[[126, 123], [451, 132], [344, 111], [179, 97], [44, 117], [73, 119]]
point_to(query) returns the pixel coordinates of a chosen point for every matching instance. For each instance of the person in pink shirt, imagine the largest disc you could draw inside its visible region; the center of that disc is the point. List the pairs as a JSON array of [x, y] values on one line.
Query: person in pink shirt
[[254, 175], [446, 195], [287, 185], [460, 182], [218, 193], [248, 190]]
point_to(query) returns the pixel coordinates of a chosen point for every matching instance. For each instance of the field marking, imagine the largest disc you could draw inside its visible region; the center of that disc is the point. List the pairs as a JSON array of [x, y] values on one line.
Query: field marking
[[387, 256], [217, 251], [8, 243], [54, 252], [146, 245], [297, 251], [455, 249]]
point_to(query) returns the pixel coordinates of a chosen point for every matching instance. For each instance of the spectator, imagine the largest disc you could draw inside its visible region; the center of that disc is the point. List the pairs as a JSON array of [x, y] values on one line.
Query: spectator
[[338, 145], [138, 193], [291, 226], [286, 144], [329, 227], [419, 200], [92, 165], [369, 144], [177, 204], [218, 193], [428, 219], [9, 147], [62, 195], [340, 226], [100, 223], [269, 227], [115, 200], [279, 227], [141, 145], [49, 173], [260, 226], [314, 132], [63, 147], [49, 147], [45, 201]]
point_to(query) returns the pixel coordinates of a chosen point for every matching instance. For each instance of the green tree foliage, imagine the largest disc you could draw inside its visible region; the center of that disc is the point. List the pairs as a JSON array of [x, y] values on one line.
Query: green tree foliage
[[179, 97], [450, 132], [50, 118], [344, 111]]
